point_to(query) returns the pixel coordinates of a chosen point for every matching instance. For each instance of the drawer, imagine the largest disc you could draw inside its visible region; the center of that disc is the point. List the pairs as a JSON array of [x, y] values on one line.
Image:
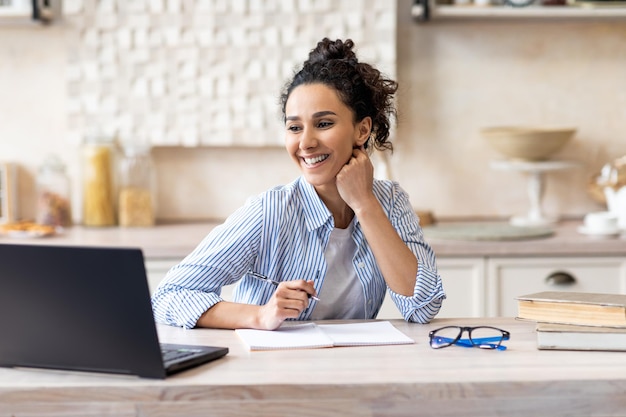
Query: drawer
[[508, 278]]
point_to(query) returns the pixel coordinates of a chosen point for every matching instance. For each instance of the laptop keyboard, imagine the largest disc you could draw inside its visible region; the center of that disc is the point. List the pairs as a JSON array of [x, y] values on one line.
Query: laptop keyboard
[[177, 354]]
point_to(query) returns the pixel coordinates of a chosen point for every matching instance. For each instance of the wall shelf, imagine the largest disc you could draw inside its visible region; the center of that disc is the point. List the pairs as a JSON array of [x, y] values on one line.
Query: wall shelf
[[432, 11], [29, 13]]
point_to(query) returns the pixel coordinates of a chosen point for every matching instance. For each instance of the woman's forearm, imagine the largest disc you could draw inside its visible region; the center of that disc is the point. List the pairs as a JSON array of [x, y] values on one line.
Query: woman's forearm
[[395, 260]]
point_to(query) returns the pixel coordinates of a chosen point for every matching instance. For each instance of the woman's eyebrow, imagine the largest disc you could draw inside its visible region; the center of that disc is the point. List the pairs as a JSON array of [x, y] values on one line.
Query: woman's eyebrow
[[316, 115], [324, 113]]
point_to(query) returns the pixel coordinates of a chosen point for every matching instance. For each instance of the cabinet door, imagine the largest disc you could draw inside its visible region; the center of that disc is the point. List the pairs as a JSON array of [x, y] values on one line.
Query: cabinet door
[[510, 278], [156, 270], [464, 284]]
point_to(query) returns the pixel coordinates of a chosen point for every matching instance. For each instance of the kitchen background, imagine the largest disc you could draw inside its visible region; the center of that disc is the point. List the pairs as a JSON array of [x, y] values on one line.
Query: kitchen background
[[200, 80]]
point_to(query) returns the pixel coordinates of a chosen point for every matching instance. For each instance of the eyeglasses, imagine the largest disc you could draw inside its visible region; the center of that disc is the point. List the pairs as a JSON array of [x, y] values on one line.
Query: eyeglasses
[[484, 337]]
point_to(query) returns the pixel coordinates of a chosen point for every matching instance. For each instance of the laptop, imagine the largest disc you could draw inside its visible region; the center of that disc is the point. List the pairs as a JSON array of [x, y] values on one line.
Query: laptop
[[84, 309]]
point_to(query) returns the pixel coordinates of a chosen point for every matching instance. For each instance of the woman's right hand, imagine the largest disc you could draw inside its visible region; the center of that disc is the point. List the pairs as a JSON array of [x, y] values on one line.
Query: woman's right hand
[[288, 302]]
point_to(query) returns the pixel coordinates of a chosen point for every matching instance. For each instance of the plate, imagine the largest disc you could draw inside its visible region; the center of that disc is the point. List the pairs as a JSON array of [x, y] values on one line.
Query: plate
[[28, 230], [608, 232], [27, 234]]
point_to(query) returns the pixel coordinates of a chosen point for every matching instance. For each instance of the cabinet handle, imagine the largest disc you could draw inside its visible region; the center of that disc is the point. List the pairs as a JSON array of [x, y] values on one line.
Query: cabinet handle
[[560, 278]]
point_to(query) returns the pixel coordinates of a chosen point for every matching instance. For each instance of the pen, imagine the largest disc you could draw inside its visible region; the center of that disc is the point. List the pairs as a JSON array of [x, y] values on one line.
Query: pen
[[274, 283]]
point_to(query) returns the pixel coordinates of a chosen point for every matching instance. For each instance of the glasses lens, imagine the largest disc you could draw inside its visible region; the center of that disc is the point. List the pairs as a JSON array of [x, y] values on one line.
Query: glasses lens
[[486, 337], [444, 337]]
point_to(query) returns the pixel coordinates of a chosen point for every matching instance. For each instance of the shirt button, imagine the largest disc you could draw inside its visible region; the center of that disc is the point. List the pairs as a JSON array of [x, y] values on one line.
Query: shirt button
[[361, 265]]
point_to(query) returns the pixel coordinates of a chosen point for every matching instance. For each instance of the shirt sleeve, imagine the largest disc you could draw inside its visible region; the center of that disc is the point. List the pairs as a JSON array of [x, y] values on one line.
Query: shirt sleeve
[[428, 293], [193, 286]]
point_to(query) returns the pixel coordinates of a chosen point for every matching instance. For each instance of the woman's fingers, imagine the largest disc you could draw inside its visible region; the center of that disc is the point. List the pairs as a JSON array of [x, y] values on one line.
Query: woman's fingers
[[288, 302]]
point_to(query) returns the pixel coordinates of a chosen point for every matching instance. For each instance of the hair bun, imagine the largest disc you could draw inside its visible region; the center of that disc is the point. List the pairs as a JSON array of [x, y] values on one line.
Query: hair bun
[[327, 50]]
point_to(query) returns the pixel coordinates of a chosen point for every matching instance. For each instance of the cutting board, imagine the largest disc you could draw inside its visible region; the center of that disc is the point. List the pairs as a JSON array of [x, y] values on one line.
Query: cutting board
[[485, 231]]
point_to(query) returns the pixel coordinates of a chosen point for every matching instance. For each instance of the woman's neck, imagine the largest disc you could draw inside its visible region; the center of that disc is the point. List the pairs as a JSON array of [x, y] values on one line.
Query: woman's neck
[[342, 213]]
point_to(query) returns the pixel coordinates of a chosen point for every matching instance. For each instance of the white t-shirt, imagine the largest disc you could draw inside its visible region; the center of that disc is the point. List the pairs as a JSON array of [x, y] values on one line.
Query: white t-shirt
[[341, 296]]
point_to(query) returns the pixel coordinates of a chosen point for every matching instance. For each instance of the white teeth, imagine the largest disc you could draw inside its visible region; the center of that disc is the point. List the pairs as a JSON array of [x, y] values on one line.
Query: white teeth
[[311, 161]]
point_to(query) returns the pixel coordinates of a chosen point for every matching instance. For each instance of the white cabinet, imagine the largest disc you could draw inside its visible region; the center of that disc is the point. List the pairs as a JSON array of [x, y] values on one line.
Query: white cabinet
[[464, 284], [156, 270], [463, 280], [508, 278], [488, 286]]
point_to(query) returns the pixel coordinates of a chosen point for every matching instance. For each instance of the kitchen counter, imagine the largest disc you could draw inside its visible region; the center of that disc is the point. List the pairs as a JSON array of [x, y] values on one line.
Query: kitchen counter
[[162, 241], [177, 240], [566, 241]]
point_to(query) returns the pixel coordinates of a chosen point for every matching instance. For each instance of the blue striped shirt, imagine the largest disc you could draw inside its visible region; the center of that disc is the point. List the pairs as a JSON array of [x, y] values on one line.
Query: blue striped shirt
[[282, 234]]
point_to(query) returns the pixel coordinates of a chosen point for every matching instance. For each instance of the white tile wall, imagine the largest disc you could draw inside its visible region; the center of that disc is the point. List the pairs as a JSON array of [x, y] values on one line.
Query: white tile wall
[[203, 72]]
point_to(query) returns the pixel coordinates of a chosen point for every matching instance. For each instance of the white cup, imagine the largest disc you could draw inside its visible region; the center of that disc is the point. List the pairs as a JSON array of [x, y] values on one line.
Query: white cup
[[600, 221]]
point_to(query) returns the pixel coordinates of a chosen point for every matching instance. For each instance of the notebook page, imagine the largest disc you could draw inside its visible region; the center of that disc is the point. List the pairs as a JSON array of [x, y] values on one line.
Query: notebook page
[[364, 334], [299, 336]]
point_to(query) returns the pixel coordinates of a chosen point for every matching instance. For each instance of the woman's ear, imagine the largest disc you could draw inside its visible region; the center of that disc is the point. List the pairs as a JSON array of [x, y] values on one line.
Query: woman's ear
[[365, 130]]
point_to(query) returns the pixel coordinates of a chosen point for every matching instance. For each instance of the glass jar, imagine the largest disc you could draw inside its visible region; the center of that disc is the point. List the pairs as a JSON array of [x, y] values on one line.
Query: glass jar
[[53, 194], [137, 195], [99, 182]]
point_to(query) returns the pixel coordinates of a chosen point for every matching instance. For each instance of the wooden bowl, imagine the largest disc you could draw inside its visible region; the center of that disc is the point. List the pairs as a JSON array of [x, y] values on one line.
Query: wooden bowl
[[527, 143]]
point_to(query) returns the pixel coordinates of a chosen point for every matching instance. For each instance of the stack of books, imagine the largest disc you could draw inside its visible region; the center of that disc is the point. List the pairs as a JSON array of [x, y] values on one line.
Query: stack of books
[[576, 320]]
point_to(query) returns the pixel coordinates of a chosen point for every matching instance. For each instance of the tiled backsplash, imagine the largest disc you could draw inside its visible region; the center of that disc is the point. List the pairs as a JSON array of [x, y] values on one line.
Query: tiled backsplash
[[203, 72]]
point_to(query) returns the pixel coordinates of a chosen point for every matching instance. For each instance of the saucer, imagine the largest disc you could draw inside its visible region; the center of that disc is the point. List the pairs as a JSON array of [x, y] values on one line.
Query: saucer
[[606, 232]]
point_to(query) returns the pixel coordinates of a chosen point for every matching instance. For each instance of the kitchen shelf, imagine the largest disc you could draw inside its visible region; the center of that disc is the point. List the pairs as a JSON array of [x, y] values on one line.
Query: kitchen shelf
[[30, 14], [433, 12]]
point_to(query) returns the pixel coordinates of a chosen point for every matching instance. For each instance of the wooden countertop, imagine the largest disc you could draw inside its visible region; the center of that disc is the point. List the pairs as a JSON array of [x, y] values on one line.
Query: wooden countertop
[[401, 380], [177, 240]]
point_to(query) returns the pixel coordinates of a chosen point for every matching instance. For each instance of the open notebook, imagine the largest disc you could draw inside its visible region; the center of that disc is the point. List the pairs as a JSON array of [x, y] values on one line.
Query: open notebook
[[312, 335]]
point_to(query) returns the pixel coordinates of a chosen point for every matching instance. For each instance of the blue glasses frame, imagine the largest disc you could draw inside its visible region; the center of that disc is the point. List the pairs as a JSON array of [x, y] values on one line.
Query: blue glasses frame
[[438, 340]]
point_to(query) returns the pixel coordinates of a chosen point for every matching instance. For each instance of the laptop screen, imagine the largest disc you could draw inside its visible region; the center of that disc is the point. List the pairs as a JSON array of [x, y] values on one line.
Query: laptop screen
[[77, 308]]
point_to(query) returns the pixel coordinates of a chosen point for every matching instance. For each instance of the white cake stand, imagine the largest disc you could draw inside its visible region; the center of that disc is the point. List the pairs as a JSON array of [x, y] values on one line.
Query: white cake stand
[[536, 183]]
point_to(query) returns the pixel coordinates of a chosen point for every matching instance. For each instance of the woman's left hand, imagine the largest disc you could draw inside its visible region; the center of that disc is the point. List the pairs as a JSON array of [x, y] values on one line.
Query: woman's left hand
[[355, 180]]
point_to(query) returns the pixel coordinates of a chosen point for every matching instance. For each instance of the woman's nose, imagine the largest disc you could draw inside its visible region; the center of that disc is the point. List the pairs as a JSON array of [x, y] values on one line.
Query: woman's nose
[[308, 139]]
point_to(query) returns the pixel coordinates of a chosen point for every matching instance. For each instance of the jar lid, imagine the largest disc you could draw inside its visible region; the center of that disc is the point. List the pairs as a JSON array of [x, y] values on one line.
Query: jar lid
[[134, 149]]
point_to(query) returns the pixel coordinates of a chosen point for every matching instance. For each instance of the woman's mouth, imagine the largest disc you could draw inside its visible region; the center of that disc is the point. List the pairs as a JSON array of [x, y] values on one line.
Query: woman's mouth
[[315, 160]]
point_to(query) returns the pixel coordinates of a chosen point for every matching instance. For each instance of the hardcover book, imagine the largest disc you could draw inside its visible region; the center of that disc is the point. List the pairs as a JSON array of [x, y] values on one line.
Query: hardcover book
[[579, 308], [571, 337]]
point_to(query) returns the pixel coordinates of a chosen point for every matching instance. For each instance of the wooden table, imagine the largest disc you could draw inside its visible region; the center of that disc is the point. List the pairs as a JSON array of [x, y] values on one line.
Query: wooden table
[[402, 380]]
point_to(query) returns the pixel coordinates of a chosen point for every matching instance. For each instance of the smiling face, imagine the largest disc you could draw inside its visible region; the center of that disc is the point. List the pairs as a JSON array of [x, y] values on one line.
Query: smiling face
[[321, 133]]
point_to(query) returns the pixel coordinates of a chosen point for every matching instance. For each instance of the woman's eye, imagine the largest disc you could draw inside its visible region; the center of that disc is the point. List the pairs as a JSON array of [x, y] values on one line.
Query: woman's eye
[[324, 124], [293, 128]]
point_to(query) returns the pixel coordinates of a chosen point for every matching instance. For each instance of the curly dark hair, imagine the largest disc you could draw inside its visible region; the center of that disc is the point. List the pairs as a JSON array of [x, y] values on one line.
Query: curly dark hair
[[360, 86]]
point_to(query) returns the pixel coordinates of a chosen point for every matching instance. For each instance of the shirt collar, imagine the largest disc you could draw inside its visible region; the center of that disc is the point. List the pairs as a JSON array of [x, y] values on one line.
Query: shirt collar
[[315, 211]]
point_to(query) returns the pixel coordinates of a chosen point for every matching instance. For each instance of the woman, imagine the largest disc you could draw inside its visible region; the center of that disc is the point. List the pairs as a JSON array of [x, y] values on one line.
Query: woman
[[335, 239]]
